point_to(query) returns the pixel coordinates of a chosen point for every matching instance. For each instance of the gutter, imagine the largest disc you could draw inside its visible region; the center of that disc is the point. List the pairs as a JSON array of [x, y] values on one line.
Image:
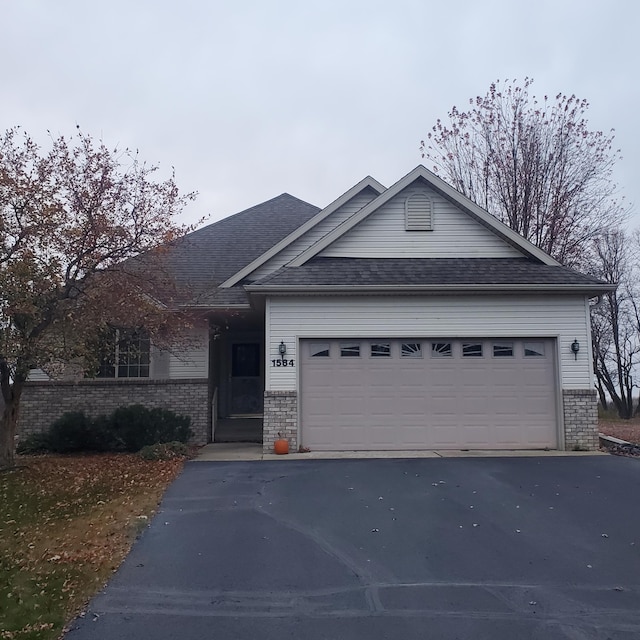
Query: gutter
[[586, 289]]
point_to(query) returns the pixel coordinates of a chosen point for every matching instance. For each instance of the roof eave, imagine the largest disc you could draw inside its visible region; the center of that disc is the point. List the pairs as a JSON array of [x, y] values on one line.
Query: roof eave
[[584, 289]]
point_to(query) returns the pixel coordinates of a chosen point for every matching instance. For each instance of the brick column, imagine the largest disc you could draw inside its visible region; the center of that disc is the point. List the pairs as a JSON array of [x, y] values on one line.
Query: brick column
[[280, 417], [580, 419]]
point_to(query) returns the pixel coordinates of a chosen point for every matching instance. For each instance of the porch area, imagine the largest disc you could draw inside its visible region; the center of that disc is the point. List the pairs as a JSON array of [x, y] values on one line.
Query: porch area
[[236, 376], [238, 429]]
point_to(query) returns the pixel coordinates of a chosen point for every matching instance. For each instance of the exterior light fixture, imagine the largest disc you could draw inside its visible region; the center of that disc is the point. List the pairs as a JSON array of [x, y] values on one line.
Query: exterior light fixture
[[575, 347], [282, 349]]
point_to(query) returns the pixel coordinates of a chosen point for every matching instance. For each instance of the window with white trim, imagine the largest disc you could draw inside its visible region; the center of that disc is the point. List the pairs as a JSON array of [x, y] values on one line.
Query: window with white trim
[[125, 353]]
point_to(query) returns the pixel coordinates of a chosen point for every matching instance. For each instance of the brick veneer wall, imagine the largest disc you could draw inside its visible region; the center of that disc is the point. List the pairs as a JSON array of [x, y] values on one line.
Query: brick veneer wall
[[580, 419], [44, 402], [280, 417]]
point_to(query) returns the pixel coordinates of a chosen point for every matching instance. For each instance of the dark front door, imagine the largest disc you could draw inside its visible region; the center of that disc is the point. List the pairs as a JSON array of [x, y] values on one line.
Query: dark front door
[[246, 382]]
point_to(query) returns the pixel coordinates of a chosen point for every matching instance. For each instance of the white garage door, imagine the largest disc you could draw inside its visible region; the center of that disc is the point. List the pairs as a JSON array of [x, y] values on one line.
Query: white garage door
[[428, 394]]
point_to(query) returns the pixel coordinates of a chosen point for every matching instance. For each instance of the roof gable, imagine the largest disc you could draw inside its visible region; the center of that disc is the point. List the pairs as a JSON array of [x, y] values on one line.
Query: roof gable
[[293, 244], [446, 231], [509, 243]]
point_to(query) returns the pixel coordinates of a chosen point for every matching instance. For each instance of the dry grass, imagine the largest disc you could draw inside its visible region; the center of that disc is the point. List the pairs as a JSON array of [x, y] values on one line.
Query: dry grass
[[66, 523]]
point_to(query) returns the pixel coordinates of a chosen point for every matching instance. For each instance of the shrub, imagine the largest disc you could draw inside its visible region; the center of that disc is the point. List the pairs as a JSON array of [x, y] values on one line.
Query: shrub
[[71, 432], [34, 443], [126, 429], [103, 436], [164, 451], [135, 427]]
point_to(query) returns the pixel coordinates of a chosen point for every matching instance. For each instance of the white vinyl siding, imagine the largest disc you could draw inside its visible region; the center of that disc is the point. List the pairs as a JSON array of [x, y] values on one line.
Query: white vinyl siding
[[383, 234], [191, 360], [37, 375], [313, 235], [292, 318]]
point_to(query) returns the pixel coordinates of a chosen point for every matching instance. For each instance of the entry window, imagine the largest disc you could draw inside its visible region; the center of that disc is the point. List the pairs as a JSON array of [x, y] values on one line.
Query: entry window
[[319, 349], [411, 350], [245, 360], [472, 349], [534, 349], [441, 349], [350, 350], [380, 350], [503, 349]]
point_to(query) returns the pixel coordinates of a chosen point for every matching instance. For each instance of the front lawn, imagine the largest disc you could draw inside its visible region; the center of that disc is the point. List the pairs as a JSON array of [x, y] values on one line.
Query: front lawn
[[66, 523], [628, 430]]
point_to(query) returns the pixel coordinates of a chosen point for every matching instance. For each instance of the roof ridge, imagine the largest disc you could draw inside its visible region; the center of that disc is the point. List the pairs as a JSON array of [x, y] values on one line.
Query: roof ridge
[[252, 209]]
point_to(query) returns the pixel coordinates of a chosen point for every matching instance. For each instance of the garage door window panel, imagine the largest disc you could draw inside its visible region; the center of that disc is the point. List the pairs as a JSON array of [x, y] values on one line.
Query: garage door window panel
[[380, 350], [503, 349], [350, 350], [319, 349], [472, 350], [441, 350], [534, 349], [411, 350]]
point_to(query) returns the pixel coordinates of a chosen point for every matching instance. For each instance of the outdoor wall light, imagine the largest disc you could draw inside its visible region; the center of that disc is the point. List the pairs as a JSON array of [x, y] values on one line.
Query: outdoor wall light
[[282, 349], [575, 347]]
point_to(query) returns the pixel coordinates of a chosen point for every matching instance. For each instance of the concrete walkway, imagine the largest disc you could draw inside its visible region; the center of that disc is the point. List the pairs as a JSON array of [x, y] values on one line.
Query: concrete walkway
[[220, 452]]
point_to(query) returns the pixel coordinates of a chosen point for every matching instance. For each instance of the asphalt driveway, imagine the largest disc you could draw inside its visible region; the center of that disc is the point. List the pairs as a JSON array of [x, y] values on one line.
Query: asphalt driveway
[[471, 548]]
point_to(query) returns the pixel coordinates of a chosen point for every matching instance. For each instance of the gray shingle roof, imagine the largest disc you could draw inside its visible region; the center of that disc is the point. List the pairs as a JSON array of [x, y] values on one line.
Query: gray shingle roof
[[387, 272], [204, 258]]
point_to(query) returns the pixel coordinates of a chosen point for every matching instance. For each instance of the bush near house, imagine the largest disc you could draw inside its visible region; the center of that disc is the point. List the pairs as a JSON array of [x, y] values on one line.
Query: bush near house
[[127, 429]]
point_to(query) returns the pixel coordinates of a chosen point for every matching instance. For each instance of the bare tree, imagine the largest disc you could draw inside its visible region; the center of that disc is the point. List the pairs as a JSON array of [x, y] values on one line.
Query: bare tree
[[532, 163], [72, 221], [615, 323]]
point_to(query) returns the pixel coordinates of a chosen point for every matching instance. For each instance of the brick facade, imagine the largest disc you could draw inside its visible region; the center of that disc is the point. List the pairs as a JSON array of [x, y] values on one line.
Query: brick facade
[[580, 419], [280, 417], [44, 402]]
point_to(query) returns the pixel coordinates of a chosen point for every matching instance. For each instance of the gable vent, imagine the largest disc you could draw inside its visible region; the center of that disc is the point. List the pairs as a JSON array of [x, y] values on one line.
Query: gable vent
[[418, 215]]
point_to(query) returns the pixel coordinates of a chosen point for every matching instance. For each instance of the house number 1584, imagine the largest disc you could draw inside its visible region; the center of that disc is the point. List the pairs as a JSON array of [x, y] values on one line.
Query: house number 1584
[[282, 363]]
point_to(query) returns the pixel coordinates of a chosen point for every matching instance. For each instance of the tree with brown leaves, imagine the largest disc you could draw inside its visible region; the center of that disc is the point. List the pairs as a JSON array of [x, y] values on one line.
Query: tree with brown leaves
[[534, 164], [73, 219]]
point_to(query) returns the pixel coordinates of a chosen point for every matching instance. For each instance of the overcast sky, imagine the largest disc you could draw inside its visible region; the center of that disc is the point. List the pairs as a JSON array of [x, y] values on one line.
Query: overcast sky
[[251, 99]]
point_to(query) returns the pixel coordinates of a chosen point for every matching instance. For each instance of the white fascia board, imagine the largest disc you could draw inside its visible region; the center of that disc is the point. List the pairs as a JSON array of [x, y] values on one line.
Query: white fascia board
[[447, 191], [210, 307], [365, 183], [428, 288]]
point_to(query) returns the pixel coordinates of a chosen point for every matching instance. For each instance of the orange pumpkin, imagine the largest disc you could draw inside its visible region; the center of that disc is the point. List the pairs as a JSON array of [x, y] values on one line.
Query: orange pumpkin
[[281, 446]]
